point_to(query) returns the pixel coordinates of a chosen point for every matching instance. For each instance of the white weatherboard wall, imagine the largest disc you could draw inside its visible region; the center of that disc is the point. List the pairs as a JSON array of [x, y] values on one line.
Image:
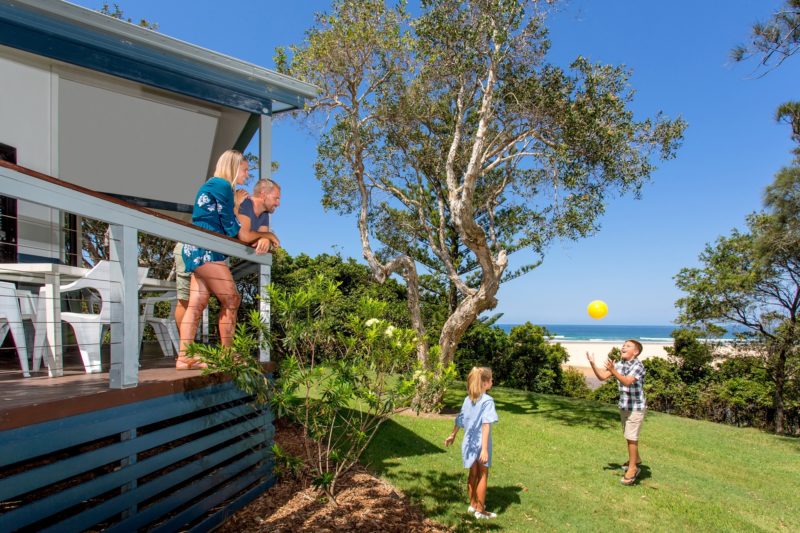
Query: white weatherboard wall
[[26, 123], [104, 133], [115, 142]]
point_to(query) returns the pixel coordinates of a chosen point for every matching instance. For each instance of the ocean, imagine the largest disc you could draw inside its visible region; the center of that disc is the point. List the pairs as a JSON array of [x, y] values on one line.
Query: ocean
[[604, 332]]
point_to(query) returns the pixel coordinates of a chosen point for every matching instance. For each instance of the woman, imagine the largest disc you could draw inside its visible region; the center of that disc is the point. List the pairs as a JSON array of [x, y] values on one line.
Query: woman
[[213, 210]]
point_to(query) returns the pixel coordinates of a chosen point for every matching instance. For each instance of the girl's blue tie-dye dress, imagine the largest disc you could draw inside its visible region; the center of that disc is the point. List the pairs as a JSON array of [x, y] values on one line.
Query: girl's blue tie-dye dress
[[472, 418], [213, 210]]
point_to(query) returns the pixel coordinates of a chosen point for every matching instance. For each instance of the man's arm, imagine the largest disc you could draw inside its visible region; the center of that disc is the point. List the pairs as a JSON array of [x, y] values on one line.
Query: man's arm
[[601, 374], [261, 240], [246, 232]]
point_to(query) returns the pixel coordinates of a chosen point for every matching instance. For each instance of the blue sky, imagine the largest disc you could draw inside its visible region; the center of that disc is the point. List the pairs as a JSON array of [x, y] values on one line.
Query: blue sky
[[678, 52]]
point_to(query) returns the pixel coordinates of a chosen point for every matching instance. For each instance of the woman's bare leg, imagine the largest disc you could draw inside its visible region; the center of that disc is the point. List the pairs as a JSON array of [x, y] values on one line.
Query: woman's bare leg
[[218, 280], [198, 300]]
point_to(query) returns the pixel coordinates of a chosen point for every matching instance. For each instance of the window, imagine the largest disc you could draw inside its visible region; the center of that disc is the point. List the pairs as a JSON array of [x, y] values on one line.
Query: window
[[8, 214]]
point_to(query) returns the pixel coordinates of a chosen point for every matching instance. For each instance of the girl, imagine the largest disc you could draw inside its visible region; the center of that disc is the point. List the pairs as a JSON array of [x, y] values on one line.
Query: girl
[[476, 417]]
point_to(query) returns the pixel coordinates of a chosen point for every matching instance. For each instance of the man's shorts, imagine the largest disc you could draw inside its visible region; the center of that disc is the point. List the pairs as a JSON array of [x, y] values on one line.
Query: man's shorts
[[182, 278], [631, 423]]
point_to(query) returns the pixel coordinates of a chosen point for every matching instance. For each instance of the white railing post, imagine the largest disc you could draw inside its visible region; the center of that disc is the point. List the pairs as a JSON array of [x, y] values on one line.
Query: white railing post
[[125, 339], [264, 279], [53, 350]]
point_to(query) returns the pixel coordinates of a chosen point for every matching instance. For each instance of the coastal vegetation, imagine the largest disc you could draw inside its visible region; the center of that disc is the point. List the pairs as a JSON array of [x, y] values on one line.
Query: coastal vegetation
[[751, 279]]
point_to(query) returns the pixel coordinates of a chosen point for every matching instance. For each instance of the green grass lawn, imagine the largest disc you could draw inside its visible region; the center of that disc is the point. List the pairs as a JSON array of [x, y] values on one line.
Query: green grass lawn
[[556, 467]]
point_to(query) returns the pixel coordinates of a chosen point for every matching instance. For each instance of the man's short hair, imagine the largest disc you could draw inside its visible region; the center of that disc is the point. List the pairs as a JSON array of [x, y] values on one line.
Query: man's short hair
[[264, 185]]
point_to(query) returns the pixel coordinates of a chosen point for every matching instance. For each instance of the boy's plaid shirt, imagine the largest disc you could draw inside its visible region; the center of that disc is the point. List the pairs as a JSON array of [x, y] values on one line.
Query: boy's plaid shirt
[[631, 398]]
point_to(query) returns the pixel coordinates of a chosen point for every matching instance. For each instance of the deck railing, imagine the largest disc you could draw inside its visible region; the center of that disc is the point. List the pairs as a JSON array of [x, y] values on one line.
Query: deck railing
[[125, 222]]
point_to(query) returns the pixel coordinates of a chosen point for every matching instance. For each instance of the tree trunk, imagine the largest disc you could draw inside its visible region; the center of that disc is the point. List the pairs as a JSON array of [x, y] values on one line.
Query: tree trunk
[[780, 379], [452, 298], [403, 264], [464, 315]]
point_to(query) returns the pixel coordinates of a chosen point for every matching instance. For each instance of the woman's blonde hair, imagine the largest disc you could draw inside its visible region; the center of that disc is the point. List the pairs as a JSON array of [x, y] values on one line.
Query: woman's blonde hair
[[476, 378], [228, 165]]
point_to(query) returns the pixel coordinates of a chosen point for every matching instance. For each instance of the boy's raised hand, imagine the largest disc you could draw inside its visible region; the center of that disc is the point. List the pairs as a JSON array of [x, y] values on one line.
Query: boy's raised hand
[[590, 357]]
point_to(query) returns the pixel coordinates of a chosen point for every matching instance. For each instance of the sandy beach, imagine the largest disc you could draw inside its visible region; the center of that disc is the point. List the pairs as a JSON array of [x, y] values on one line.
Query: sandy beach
[[577, 355], [577, 351]]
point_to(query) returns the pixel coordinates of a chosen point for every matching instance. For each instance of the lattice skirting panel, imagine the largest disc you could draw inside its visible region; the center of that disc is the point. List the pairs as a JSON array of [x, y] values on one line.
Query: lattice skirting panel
[[178, 462]]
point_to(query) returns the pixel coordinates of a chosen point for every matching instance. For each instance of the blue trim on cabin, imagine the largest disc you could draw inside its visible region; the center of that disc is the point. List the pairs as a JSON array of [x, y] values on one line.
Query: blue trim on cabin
[[182, 460], [251, 127], [40, 33], [29, 258]]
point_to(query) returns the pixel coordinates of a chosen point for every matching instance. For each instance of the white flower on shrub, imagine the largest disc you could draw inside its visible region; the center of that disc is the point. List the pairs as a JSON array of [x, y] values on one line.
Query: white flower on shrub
[[371, 322], [390, 331]]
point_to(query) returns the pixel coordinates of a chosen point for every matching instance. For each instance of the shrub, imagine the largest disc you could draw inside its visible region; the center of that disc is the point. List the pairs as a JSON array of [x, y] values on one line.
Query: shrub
[[481, 345], [663, 386], [531, 362], [574, 384], [692, 356], [606, 393], [339, 398]]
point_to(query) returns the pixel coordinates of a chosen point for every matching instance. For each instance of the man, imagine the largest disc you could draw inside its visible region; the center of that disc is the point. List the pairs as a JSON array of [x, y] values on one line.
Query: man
[[254, 215]]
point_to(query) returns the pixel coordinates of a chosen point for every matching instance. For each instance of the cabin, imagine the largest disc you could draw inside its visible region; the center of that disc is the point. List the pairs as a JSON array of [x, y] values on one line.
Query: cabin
[[106, 121]]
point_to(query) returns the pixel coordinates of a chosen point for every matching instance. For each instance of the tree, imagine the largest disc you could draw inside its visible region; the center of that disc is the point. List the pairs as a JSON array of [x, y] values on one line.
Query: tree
[[352, 55], [691, 355], [753, 279], [775, 40], [789, 113], [457, 144]]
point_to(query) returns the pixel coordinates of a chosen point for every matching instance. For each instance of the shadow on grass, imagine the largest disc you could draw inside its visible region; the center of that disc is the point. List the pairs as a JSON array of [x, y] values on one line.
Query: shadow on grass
[[440, 493], [393, 441], [644, 472], [525, 406], [568, 411], [577, 413]]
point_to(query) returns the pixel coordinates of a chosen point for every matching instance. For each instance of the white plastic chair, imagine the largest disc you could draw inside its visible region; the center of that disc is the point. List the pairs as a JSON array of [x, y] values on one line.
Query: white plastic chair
[[88, 327], [11, 322], [165, 329]]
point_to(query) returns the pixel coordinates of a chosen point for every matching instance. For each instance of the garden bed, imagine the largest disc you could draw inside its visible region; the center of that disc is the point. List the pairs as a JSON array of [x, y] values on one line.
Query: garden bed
[[366, 503]]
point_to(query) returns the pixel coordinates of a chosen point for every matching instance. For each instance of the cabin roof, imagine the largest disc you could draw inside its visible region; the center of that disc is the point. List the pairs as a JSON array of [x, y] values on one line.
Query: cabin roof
[[76, 35]]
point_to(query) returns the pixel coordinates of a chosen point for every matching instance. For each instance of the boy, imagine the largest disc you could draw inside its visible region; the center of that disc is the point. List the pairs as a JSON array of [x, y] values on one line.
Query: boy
[[629, 373]]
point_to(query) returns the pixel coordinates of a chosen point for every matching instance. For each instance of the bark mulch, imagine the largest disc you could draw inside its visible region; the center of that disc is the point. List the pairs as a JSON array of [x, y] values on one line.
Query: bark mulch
[[365, 503]]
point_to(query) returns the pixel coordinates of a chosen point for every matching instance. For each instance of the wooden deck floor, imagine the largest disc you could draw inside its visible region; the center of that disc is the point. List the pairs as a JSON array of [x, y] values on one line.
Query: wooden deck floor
[[40, 398]]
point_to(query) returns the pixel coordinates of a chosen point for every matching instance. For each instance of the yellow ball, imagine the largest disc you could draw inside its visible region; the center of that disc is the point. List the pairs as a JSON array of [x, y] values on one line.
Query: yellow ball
[[597, 309]]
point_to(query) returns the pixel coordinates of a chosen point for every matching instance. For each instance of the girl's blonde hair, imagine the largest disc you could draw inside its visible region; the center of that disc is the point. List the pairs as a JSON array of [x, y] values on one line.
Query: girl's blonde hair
[[228, 165], [476, 378]]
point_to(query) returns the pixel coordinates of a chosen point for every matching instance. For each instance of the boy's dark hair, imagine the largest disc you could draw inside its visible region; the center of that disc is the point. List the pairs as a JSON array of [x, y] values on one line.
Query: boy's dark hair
[[637, 344]]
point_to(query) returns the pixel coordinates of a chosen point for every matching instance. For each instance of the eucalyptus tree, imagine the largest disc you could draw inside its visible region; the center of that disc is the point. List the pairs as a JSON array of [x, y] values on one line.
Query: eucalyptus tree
[[457, 144]]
